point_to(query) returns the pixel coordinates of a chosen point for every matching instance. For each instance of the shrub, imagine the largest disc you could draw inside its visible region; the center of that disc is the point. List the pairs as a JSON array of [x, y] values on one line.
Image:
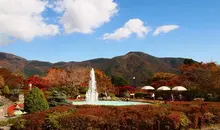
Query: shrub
[[35, 101], [209, 118], [178, 120], [6, 90], [15, 91], [19, 125], [124, 117], [3, 123], [51, 121], [1, 104], [9, 121], [140, 95]]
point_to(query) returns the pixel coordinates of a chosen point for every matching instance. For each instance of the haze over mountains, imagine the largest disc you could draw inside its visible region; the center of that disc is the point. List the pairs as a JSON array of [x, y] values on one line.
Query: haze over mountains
[[133, 64]]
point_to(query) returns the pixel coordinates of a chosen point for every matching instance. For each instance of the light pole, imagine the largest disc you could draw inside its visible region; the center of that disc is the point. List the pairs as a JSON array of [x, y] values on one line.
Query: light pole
[[30, 86], [134, 83]]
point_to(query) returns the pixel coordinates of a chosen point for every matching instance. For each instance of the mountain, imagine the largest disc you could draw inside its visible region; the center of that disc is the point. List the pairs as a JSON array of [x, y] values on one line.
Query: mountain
[[134, 64]]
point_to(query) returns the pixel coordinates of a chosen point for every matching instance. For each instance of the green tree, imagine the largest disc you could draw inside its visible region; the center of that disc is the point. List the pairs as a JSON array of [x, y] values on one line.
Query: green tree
[[6, 90], [57, 99], [119, 81], [35, 101], [189, 62], [83, 90]]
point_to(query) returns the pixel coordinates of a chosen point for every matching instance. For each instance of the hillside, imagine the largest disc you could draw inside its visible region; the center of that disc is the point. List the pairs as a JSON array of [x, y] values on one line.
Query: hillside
[[133, 64]]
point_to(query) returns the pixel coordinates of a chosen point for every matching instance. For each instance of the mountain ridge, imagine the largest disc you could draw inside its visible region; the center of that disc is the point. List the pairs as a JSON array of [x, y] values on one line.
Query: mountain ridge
[[133, 64]]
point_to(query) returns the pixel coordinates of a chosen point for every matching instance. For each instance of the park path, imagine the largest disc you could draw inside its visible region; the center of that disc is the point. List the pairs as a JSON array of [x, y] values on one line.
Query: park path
[[4, 108], [4, 111]]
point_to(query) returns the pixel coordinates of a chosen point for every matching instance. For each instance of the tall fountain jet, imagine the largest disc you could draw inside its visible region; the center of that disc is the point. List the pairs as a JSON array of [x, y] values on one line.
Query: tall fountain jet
[[92, 94]]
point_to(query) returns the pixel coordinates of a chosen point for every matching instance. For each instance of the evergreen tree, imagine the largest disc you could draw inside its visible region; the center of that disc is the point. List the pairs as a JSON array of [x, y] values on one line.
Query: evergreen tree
[[57, 99], [118, 81], [35, 101]]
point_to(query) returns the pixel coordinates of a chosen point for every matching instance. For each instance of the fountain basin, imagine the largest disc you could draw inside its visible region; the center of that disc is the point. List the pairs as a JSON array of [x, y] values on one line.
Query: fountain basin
[[109, 103]]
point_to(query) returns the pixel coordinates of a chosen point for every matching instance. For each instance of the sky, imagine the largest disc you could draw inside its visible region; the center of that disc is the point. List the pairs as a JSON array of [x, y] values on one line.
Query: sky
[[78, 30]]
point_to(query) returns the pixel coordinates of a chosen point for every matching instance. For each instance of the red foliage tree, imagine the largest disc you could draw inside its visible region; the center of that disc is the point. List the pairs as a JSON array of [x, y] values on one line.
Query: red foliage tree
[[38, 82], [126, 88]]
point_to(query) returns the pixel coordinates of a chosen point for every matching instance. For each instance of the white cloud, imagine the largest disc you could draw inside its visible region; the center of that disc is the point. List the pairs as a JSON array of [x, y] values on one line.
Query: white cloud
[[22, 19], [165, 29], [84, 16], [135, 26]]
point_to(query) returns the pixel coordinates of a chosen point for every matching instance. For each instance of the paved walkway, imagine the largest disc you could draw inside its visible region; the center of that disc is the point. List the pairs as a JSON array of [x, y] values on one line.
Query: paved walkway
[[4, 109]]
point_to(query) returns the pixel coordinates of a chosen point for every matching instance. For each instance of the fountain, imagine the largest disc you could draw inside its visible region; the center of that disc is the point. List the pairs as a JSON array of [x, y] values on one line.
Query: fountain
[[92, 96]]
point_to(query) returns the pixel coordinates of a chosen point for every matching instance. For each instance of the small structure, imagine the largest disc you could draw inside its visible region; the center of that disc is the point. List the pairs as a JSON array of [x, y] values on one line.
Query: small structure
[[21, 98], [163, 88], [132, 95], [16, 110], [179, 88], [148, 88]]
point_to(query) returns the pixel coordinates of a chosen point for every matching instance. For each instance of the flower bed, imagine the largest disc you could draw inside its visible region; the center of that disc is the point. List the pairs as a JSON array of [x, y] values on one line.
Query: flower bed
[[172, 115]]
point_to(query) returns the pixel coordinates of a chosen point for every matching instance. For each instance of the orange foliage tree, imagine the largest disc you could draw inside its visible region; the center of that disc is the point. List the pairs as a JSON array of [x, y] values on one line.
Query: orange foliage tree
[[165, 79], [11, 79], [78, 76], [104, 83], [2, 82], [203, 76]]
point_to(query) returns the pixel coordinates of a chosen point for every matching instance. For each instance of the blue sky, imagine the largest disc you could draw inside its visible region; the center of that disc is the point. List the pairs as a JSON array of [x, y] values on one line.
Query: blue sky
[[197, 35]]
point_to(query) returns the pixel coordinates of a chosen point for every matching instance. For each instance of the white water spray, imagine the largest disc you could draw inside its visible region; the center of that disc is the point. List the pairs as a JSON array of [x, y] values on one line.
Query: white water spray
[[92, 94]]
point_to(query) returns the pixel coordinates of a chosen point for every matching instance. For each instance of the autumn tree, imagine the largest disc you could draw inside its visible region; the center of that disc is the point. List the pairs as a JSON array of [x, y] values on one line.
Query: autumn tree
[[162, 76], [38, 82], [2, 82], [56, 77], [164, 79], [104, 83], [11, 79], [72, 79], [204, 76]]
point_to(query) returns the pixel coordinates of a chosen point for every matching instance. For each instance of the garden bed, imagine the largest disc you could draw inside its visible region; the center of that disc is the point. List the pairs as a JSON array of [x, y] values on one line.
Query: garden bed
[[171, 116]]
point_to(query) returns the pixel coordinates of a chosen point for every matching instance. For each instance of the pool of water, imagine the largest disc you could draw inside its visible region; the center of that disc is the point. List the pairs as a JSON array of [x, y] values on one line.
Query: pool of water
[[109, 103]]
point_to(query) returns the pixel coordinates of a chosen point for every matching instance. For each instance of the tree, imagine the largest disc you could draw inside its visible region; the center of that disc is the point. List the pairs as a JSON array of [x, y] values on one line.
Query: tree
[[118, 81], [2, 82], [188, 61], [162, 76], [203, 78], [35, 101], [6, 90], [38, 82], [165, 79], [74, 78], [57, 99], [104, 83], [10, 79]]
